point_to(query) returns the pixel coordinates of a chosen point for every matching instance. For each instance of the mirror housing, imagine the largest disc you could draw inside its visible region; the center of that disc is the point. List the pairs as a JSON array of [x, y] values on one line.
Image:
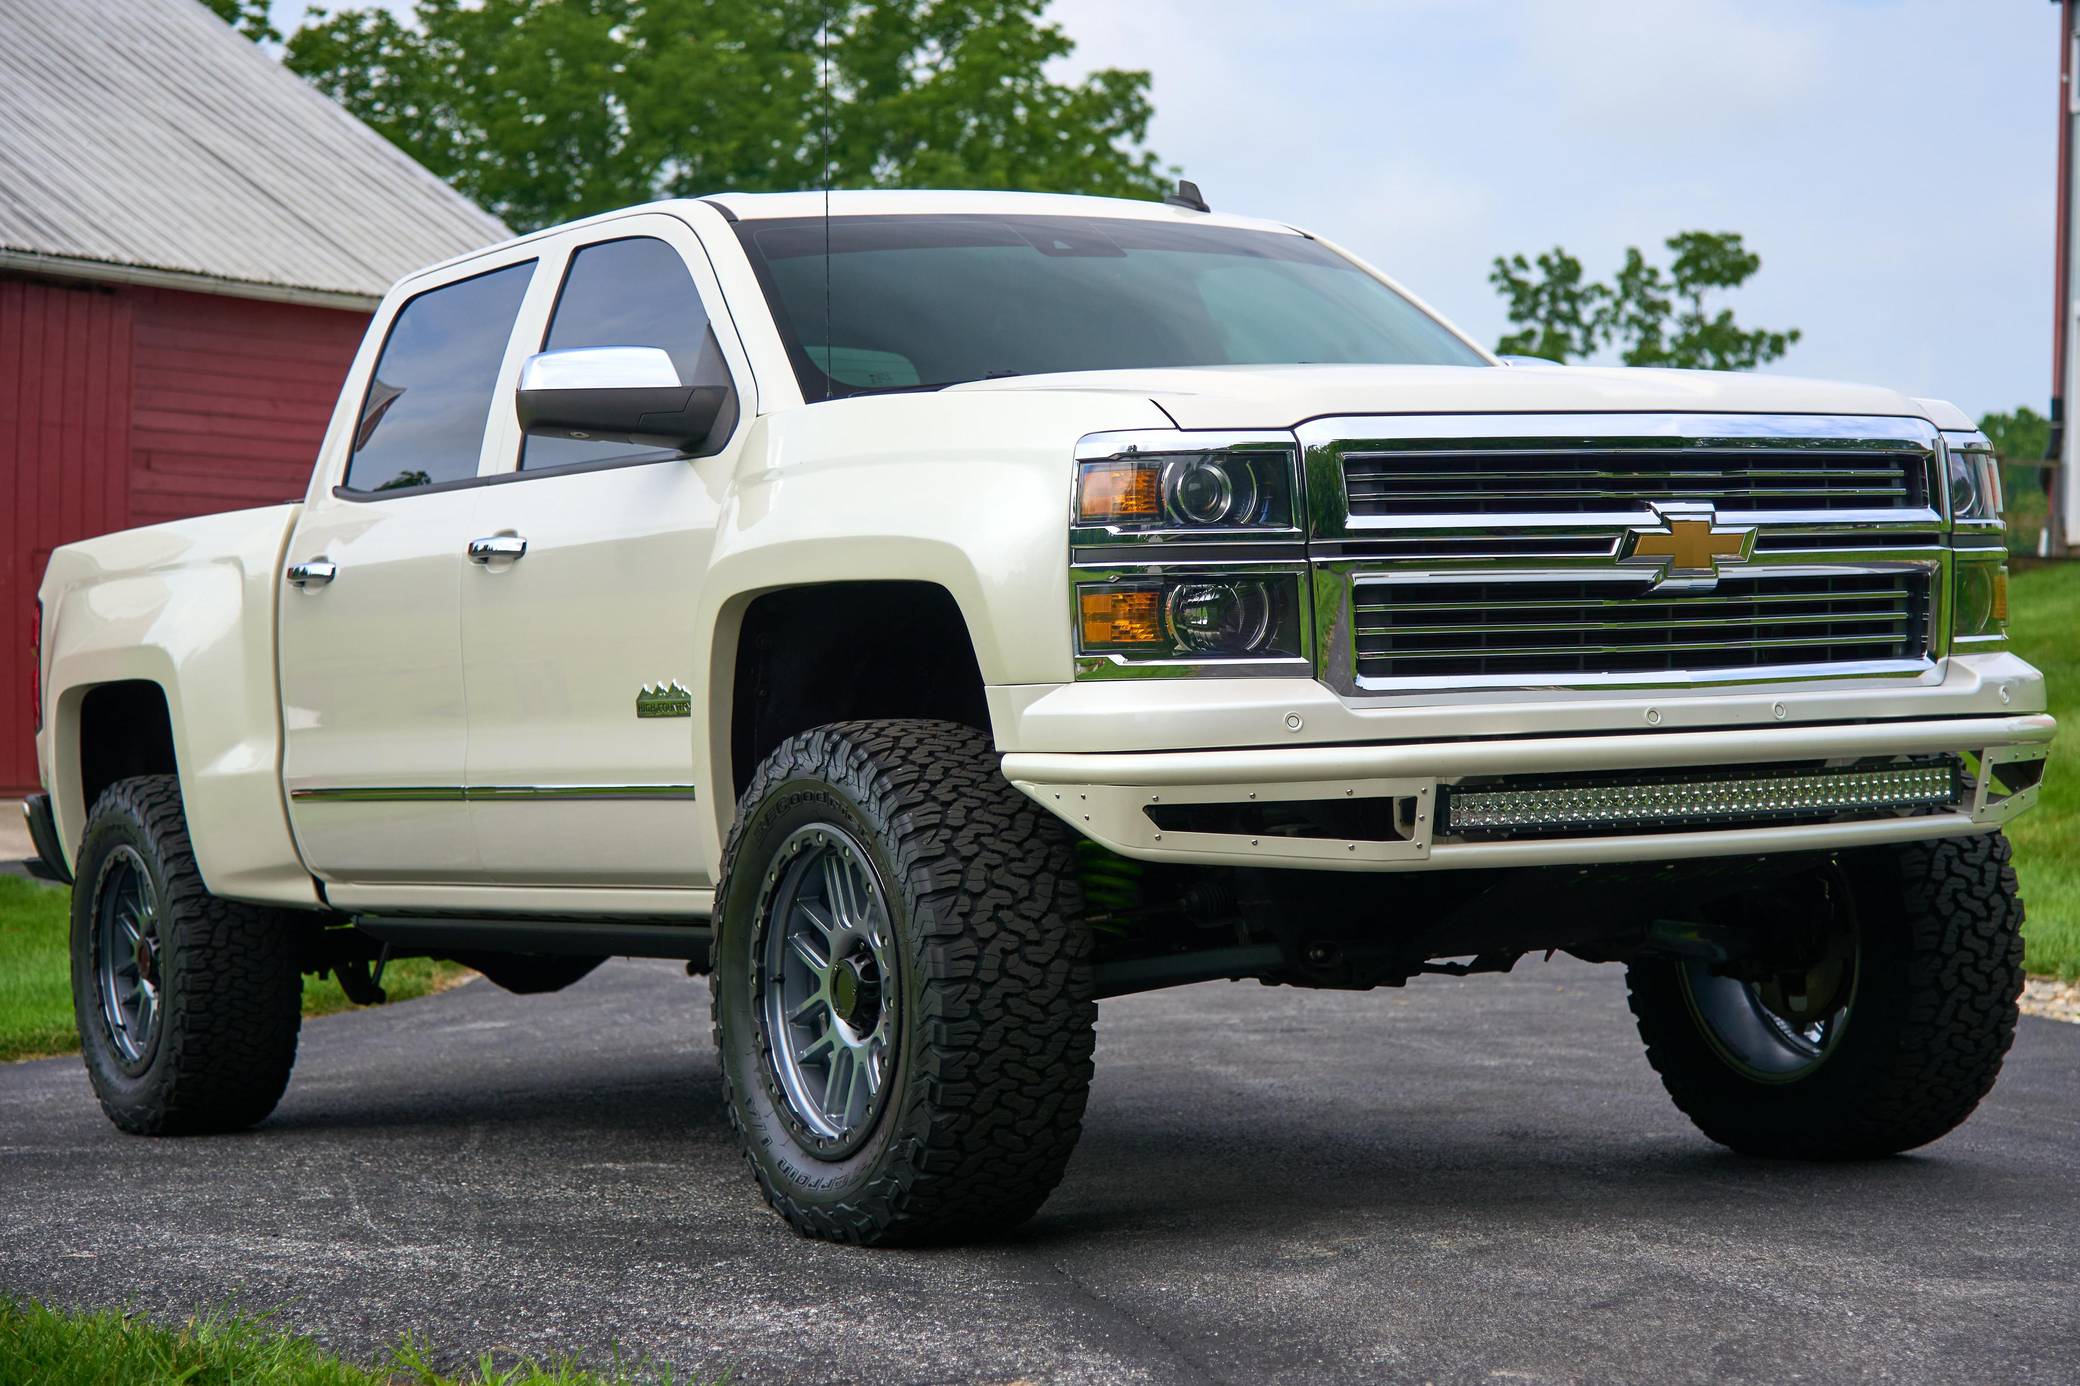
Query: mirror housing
[[617, 395]]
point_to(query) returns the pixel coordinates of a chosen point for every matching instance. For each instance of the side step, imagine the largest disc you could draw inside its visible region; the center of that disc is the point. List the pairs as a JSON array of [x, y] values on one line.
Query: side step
[[610, 938]]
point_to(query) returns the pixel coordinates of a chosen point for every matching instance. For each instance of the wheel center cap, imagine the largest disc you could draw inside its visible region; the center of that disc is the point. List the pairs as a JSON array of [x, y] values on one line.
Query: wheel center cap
[[147, 958], [854, 991]]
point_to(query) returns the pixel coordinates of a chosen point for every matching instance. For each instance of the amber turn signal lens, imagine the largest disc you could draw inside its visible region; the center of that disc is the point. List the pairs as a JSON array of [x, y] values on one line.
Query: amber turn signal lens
[[1110, 618], [2000, 596], [1119, 490]]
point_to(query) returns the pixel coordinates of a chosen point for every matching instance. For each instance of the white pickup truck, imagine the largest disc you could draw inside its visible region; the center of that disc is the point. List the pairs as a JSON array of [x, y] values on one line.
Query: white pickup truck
[[931, 613]]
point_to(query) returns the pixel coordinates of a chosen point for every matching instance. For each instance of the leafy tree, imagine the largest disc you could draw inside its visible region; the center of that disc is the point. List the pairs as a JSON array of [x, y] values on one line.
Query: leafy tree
[[249, 17], [2022, 437], [1638, 310], [544, 110], [1704, 261], [1559, 316], [1655, 316]]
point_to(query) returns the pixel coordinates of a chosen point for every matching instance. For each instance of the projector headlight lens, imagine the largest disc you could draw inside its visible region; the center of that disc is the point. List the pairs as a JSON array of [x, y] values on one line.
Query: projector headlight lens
[[1202, 621], [1975, 483], [1186, 493], [1220, 617]]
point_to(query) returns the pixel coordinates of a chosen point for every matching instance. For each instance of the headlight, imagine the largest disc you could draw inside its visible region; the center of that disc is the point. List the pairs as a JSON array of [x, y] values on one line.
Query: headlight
[[1974, 483], [1186, 493], [1980, 608], [1186, 555], [1194, 619]]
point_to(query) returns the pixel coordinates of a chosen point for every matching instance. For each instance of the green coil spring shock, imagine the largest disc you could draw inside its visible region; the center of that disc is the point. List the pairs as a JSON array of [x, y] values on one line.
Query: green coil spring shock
[[1111, 884]]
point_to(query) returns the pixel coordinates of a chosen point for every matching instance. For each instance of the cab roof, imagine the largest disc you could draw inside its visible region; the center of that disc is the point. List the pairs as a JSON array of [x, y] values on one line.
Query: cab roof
[[925, 202]]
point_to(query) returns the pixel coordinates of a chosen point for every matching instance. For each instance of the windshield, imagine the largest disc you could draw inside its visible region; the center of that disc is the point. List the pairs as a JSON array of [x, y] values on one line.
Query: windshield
[[920, 302]]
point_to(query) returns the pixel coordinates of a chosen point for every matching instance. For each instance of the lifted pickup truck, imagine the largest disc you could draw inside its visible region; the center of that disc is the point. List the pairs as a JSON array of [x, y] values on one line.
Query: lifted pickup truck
[[935, 616]]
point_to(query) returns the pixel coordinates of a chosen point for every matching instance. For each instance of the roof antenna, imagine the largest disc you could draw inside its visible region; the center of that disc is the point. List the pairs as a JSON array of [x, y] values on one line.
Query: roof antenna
[[1187, 197], [828, 351]]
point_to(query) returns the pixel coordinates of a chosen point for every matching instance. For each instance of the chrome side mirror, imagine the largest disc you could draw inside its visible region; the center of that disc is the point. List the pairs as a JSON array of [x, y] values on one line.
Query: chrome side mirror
[[617, 395]]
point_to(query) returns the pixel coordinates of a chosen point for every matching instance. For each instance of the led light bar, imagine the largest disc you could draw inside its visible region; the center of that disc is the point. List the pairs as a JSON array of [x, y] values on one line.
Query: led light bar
[[1701, 799]]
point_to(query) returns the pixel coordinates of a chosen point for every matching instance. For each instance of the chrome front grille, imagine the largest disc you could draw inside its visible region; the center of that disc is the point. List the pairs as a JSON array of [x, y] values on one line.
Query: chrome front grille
[[1551, 481], [1475, 552], [1520, 630]]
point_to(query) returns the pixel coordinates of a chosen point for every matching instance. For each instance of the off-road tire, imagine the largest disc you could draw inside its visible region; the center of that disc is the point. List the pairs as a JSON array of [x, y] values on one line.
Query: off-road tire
[[996, 1019], [230, 986], [1934, 1014]]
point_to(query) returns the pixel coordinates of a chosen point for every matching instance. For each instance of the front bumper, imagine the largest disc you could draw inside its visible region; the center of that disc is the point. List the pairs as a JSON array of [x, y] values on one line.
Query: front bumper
[[1109, 796]]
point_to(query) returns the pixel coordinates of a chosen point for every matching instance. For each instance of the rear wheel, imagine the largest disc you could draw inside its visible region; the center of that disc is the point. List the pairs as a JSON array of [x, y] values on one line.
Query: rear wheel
[[1876, 1023], [902, 986], [188, 1006]]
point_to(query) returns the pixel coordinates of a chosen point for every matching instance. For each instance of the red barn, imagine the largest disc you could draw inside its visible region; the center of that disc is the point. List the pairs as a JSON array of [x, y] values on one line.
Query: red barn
[[191, 241]]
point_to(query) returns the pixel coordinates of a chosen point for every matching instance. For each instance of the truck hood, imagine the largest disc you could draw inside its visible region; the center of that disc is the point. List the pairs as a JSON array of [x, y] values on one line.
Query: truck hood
[[1284, 396]]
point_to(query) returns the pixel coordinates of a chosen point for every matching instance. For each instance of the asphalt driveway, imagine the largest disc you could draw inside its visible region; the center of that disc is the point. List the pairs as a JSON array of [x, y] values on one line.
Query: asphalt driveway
[[1462, 1181]]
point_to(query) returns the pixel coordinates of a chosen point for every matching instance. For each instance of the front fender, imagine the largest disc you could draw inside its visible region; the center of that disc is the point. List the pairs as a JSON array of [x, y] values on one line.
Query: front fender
[[967, 492]]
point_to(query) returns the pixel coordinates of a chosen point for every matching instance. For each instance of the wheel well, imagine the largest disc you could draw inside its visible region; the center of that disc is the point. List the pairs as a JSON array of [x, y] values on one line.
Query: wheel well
[[844, 651], [124, 731]]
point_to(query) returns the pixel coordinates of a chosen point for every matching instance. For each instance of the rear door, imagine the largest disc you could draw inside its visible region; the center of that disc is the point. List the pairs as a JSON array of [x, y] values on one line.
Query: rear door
[[578, 640], [374, 716]]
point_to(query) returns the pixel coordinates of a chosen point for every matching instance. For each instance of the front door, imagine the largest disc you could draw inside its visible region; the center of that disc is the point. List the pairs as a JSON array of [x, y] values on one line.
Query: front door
[[577, 617], [374, 719]]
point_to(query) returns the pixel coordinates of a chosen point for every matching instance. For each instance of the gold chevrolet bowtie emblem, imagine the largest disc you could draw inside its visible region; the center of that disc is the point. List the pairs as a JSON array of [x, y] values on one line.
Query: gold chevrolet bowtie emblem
[[1687, 545]]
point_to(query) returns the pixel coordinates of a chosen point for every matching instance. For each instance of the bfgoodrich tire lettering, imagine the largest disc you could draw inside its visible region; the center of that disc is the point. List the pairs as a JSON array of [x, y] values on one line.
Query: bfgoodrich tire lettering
[[228, 987], [994, 1016], [1939, 970]]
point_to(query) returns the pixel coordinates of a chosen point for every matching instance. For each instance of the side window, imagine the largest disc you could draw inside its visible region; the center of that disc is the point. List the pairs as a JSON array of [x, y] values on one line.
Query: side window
[[633, 292], [423, 420]]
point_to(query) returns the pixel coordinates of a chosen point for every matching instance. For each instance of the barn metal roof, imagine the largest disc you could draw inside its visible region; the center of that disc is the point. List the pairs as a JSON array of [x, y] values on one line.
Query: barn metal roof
[[145, 140]]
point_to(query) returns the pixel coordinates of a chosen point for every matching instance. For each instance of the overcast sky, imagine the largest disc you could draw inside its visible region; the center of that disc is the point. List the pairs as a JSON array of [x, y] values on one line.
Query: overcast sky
[[1893, 161]]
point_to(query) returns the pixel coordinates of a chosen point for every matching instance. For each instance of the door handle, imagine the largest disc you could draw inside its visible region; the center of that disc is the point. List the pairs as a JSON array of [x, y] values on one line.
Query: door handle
[[511, 547], [316, 573]]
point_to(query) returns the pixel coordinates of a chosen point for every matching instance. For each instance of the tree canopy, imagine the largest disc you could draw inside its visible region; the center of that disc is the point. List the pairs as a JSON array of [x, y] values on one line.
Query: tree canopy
[[2022, 436], [249, 17], [1654, 316], [545, 110]]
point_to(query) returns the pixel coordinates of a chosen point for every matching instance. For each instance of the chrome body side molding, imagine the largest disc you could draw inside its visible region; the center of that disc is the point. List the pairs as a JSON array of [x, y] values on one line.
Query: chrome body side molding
[[487, 793]]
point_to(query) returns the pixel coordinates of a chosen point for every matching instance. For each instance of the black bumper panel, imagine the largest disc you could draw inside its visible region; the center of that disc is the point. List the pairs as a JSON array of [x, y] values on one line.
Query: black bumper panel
[[43, 835]]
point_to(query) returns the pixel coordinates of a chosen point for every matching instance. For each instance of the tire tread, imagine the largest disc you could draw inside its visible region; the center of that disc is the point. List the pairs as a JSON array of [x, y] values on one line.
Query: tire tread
[[1002, 1050], [1962, 919], [232, 987]]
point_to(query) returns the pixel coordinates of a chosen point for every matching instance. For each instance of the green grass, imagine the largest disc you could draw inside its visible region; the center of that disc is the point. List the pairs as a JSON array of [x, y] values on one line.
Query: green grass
[[36, 978], [2044, 627], [227, 1349]]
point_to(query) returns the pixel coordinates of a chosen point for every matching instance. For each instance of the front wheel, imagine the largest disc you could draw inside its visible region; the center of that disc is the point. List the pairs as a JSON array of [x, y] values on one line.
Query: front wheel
[[902, 986], [1876, 1023]]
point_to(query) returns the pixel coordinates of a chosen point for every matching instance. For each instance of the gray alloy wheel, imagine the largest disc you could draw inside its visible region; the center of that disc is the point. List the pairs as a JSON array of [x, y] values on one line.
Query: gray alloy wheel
[[1780, 1030], [828, 986], [126, 955], [901, 987]]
